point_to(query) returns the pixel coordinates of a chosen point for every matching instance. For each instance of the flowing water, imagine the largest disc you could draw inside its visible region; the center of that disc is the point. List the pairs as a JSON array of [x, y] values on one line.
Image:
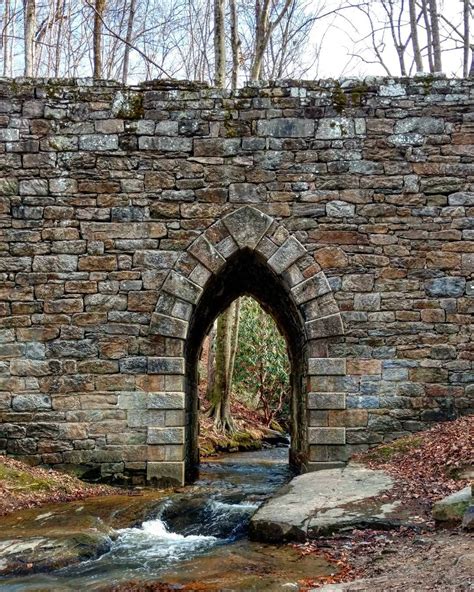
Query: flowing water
[[195, 535]]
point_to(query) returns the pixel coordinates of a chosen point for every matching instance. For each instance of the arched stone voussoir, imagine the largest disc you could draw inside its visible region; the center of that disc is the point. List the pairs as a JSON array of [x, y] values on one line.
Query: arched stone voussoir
[[247, 226], [207, 254], [311, 288], [287, 254], [324, 327], [181, 287]]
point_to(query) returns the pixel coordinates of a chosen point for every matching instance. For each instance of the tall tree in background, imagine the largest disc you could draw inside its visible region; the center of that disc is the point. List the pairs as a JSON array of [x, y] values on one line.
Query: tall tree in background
[[220, 380], [128, 39], [414, 35], [435, 36], [264, 27], [235, 44], [99, 9], [219, 43], [30, 29]]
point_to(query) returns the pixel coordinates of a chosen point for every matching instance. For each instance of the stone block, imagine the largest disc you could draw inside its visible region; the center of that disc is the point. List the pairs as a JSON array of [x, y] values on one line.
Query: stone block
[[326, 436], [168, 326], [31, 402], [327, 366], [367, 302], [207, 254], [165, 400], [446, 287], [327, 454], [179, 286], [311, 288], [339, 209], [55, 263], [349, 418], [8, 186], [98, 142], [461, 199], [246, 193], [285, 127], [362, 367], [165, 435], [247, 226], [289, 252], [423, 125], [324, 327], [164, 474], [34, 187], [133, 365], [166, 365], [326, 401], [335, 128]]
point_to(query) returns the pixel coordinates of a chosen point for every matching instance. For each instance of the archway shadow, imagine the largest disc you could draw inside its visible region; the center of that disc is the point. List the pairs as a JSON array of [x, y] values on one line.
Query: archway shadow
[[247, 273]]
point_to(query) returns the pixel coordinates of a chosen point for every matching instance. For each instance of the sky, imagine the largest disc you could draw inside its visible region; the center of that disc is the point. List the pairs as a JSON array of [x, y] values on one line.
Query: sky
[[338, 42]]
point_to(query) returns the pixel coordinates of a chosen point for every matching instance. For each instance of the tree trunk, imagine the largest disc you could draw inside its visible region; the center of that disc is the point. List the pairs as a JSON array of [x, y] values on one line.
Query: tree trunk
[[61, 16], [438, 67], [5, 40], [128, 39], [219, 398], [30, 27], [235, 44], [211, 359], [263, 32], [466, 33], [429, 37], [414, 36], [98, 17], [219, 43]]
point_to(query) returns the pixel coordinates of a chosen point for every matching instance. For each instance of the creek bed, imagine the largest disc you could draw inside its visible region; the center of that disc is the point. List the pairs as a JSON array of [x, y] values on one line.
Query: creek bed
[[198, 534]]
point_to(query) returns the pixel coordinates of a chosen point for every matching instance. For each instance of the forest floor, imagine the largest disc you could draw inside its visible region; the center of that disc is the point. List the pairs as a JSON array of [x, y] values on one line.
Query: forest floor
[[23, 486], [426, 467], [251, 432]]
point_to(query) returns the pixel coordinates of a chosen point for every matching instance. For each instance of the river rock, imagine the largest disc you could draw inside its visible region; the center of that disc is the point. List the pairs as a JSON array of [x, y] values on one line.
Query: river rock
[[451, 509], [40, 554], [324, 502]]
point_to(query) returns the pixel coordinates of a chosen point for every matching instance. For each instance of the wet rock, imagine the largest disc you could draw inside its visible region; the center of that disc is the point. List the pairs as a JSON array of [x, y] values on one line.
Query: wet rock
[[40, 554]]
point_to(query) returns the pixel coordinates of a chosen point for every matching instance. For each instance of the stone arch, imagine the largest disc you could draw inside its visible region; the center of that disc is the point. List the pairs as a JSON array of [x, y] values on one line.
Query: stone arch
[[245, 242]]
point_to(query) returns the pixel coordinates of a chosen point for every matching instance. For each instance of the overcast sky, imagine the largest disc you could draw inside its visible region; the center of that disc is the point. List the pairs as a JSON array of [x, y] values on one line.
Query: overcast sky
[[339, 42]]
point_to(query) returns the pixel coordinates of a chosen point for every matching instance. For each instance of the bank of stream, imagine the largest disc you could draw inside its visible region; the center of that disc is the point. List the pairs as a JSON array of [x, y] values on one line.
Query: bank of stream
[[194, 535]]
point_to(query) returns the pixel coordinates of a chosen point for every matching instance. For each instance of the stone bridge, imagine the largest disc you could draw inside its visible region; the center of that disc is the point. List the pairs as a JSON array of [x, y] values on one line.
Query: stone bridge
[[130, 217]]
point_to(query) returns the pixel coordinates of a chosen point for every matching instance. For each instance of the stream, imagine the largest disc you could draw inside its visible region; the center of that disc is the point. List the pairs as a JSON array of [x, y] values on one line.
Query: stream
[[197, 534]]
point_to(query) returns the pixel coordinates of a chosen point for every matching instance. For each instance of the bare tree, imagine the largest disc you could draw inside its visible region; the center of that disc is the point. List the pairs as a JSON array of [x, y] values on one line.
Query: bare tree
[[235, 44], [128, 39], [219, 43], [264, 27], [414, 36], [99, 8], [30, 29], [435, 36], [467, 70]]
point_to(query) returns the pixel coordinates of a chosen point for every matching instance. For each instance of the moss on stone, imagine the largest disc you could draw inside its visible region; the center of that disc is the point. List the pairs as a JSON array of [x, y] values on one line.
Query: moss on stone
[[400, 446], [17, 480], [339, 98], [358, 93], [131, 107]]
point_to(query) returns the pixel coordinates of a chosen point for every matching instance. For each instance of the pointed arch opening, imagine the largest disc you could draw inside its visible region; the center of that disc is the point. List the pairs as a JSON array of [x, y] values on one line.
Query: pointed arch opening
[[245, 253], [246, 273]]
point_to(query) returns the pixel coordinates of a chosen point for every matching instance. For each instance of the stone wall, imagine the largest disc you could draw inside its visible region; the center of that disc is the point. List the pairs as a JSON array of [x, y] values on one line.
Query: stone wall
[[119, 207]]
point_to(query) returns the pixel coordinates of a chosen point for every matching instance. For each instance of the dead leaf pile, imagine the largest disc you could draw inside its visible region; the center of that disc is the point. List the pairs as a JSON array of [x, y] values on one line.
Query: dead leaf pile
[[23, 486], [425, 465]]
